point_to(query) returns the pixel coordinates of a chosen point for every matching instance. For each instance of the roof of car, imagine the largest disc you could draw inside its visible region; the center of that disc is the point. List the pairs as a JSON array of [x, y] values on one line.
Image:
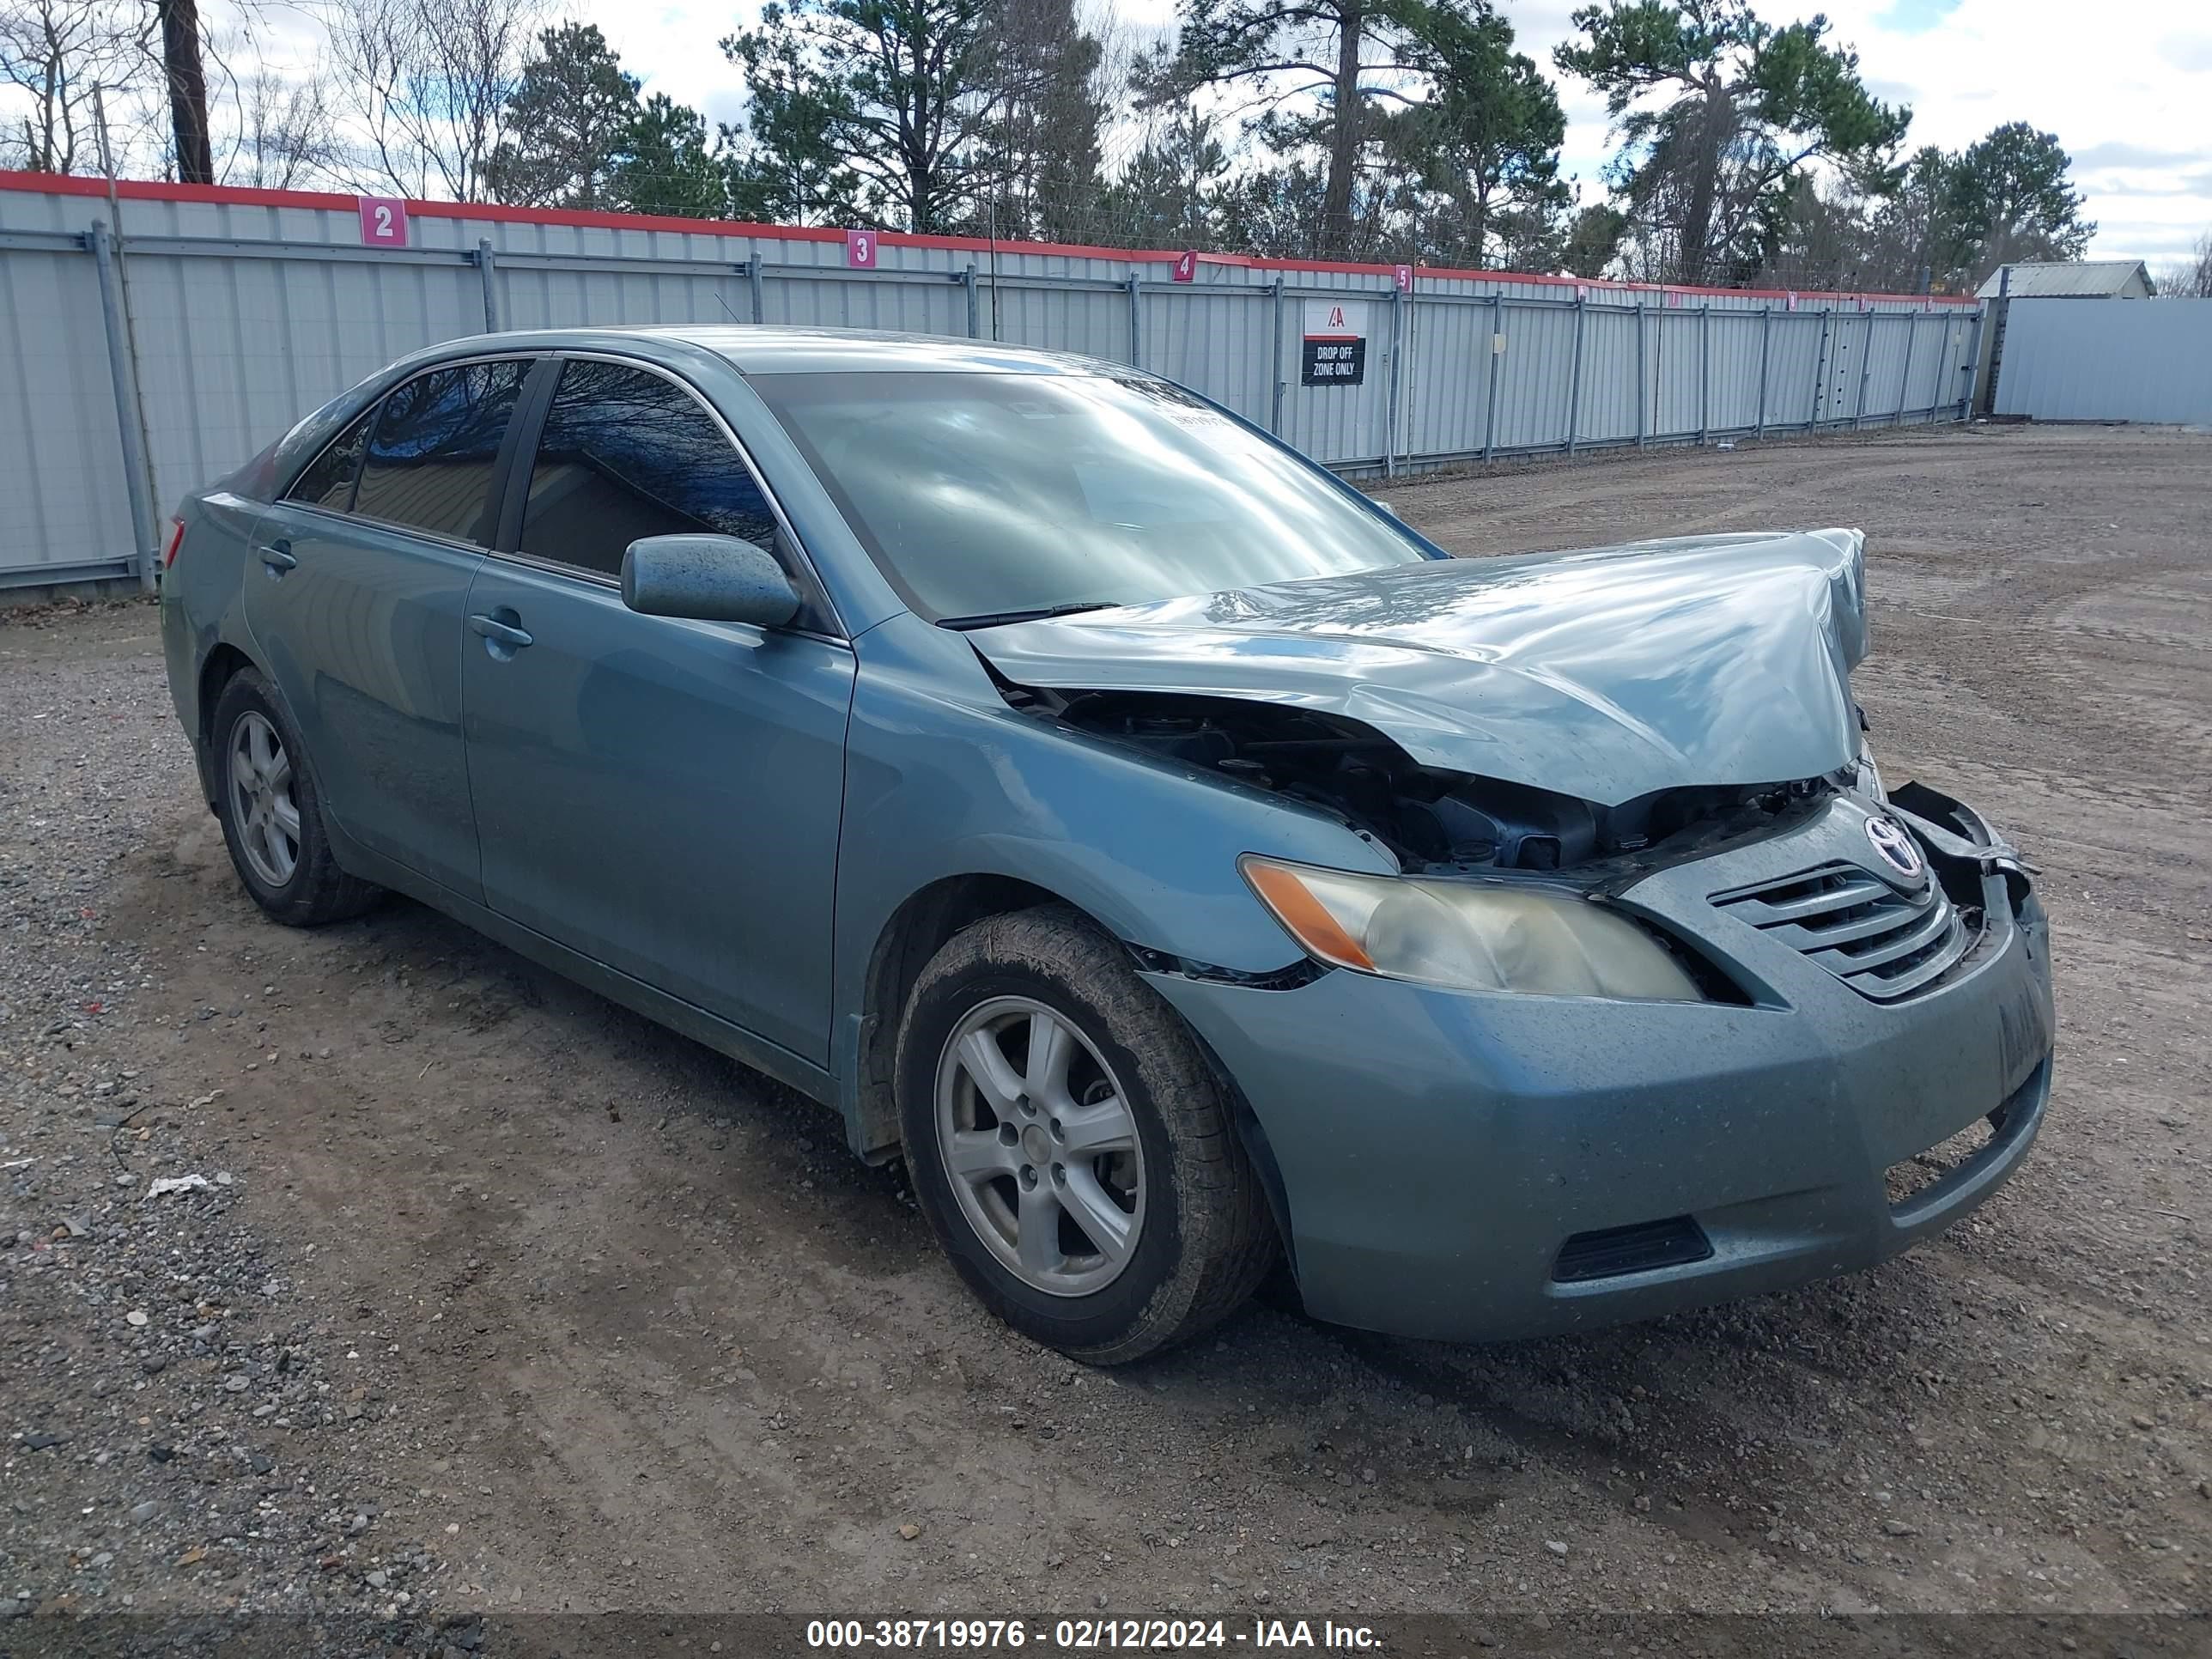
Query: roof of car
[[759, 349]]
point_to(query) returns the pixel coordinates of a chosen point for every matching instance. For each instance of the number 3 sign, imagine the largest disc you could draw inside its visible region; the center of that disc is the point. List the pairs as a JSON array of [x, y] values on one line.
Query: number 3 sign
[[383, 221], [860, 249]]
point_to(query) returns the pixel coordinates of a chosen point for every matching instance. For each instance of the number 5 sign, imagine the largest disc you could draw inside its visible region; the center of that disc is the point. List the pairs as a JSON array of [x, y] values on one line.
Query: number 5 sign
[[383, 221], [860, 249]]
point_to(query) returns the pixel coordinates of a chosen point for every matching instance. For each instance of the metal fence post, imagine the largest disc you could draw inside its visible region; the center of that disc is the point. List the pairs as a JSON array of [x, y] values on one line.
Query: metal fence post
[[119, 368], [1820, 368], [487, 270], [1278, 383], [1866, 368], [1136, 321], [1969, 370], [1905, 376], [1765, 356], [1705, 371], [753, 282], [1497, 358], [1575, 373], [1390, 410], [974, 314], [1643, 374]]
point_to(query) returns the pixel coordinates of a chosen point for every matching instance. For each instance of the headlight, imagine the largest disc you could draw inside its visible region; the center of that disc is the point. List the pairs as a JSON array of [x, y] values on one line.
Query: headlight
[[1466, 936]]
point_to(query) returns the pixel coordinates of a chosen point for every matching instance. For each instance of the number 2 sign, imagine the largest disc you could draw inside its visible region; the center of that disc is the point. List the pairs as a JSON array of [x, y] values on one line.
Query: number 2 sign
[[383, 221]]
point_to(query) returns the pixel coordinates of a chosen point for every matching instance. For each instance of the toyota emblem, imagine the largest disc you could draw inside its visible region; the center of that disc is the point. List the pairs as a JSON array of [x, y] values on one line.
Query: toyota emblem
[[1896, 848]]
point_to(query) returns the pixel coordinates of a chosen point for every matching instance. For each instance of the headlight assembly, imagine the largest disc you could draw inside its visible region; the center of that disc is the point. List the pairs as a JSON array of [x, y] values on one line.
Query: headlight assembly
[[1468, 936]]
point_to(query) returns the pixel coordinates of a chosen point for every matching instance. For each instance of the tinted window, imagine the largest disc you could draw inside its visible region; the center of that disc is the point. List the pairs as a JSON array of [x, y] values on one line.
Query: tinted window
[[430, 464], [626, 454], [328, 481], [984, 492]]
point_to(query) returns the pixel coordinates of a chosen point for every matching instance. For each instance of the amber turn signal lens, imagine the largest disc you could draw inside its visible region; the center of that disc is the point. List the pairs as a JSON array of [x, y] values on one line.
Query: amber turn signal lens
[[1304, 915]]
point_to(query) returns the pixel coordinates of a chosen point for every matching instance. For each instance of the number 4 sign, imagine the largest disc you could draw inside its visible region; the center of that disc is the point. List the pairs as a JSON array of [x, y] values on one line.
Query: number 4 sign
[[1186, 267], [383, 221]]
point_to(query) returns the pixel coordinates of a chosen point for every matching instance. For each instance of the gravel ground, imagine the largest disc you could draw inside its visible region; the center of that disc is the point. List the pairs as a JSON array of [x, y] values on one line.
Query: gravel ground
[[499, 1300]]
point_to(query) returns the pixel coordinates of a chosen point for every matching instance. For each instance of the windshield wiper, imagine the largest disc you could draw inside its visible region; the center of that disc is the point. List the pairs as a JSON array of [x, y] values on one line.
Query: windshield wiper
[[1037, 613]]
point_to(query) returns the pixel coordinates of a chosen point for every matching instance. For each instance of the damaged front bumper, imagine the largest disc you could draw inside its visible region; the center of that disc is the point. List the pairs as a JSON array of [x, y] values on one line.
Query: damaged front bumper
[[1473, 1167]]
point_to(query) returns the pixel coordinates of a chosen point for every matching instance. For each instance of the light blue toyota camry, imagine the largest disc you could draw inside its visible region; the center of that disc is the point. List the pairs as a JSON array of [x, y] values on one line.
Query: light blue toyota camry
[[1178, 861]]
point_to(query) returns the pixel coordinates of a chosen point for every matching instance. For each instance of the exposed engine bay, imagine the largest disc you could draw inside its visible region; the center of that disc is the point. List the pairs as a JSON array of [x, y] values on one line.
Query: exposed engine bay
[[1426, 817]]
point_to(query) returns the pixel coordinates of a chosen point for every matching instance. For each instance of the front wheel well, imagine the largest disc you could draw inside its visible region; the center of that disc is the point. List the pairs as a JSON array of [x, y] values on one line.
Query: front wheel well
[[917, 931]]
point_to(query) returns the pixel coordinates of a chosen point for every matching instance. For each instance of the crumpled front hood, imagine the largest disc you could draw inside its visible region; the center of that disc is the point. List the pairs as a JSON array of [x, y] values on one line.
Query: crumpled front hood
[[1604, 674]]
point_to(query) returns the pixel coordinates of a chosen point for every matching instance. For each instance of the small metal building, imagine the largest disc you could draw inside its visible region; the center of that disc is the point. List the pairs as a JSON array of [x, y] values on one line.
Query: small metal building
[[2082, 279]]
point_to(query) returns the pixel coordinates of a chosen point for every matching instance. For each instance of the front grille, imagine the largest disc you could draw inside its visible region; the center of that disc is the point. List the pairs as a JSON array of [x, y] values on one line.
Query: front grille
[[1910, 1179], [1613, 1251], [1926, 1177], [1883, 944]]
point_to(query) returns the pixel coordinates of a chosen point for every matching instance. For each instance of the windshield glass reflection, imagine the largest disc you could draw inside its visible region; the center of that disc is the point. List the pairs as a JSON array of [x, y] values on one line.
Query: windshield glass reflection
[[982, 493]]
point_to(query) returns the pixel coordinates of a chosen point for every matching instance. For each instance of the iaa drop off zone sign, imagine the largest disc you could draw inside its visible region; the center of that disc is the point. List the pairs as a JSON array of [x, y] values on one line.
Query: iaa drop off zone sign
[[1336, 345]]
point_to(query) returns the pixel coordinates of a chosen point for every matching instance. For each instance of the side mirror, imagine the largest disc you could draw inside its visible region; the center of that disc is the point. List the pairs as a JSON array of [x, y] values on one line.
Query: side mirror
[[707, 578]]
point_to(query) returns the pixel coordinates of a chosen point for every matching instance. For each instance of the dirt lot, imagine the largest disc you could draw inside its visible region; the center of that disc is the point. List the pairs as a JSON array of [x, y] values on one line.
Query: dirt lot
[[500, 1298]]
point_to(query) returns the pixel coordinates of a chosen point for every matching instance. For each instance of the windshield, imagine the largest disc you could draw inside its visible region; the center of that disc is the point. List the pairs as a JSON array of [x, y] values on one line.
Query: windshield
[[982, 494]]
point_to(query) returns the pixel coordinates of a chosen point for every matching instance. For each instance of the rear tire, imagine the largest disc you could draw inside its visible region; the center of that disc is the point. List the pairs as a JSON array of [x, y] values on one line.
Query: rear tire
[[271, 813], [1070, 1145]]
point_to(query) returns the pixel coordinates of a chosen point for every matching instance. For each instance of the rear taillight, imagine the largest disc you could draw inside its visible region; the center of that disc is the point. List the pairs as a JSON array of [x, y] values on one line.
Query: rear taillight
[[176, 541]]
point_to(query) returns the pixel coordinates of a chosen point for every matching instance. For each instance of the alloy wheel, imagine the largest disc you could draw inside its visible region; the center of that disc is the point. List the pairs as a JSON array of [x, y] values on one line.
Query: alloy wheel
[[262, 804], [1040, 1146]]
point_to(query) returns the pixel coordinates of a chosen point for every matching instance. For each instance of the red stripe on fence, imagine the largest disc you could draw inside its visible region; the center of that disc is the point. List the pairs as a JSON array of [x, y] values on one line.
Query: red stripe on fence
[[141, 190]]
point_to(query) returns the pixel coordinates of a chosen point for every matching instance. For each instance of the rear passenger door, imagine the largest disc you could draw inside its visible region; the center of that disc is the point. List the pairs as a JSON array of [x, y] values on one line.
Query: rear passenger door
[[661, 795], [354, 592]]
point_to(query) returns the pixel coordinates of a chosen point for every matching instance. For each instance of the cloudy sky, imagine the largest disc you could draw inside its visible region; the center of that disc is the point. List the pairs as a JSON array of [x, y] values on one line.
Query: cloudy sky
[[2126, 85]]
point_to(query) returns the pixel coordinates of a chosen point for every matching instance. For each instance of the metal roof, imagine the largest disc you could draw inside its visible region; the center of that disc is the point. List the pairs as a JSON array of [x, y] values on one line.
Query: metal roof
[[2108, 279]]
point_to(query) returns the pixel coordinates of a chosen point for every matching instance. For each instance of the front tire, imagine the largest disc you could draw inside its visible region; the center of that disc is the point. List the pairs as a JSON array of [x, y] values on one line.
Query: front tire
[[1069, 1143], [271, 815]]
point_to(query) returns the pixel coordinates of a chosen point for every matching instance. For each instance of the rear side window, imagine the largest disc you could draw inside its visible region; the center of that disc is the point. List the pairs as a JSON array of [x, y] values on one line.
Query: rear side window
[[328, 481], [626, 454], [437, 438]]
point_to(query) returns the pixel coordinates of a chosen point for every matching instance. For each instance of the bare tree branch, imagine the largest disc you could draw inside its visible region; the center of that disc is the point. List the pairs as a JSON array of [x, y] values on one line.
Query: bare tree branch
[[64, 56], [427, 83]]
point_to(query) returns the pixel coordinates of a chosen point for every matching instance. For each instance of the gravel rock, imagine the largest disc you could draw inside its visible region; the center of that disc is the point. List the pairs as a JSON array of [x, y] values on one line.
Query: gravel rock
[[135, 1329]]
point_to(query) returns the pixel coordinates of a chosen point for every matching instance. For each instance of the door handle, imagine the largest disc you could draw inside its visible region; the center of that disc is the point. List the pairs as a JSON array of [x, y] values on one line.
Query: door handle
[[278, 556], [503, 633]]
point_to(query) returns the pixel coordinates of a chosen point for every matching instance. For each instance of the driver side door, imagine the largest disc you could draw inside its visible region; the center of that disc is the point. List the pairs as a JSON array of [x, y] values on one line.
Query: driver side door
[[661, 795]]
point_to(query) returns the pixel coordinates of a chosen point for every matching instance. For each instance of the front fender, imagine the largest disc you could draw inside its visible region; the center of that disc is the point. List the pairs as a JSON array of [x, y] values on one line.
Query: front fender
[[943, 779]]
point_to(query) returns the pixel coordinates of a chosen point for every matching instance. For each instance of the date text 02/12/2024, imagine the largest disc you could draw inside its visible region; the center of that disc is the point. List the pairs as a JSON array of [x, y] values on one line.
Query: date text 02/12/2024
[[1089, 1635]]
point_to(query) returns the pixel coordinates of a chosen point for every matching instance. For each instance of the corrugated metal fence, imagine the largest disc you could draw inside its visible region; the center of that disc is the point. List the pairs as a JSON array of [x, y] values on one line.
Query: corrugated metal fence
[[167, 332], [2107, 360]]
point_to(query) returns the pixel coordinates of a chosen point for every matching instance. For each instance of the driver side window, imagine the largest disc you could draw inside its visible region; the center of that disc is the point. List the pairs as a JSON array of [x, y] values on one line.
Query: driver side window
[[624, 454]]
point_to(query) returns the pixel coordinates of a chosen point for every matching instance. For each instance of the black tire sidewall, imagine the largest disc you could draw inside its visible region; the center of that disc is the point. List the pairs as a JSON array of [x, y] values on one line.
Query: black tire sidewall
[[1072, 1323]]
